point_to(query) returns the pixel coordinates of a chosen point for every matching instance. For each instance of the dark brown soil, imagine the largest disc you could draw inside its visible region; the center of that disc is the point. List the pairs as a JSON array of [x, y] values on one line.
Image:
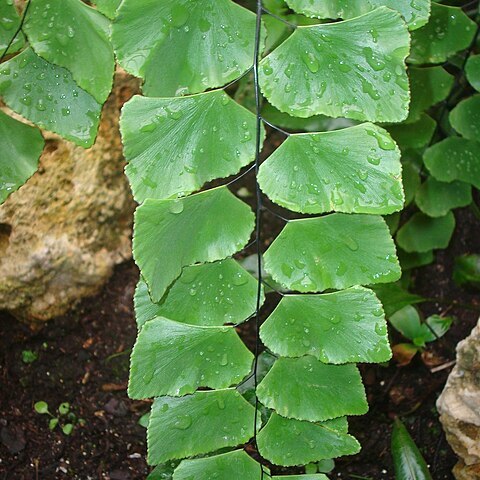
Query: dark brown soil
[[83, 359]]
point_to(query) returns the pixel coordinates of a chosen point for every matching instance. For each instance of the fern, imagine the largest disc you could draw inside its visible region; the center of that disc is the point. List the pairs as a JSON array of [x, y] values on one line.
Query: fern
[[215, 400], [175, 145]]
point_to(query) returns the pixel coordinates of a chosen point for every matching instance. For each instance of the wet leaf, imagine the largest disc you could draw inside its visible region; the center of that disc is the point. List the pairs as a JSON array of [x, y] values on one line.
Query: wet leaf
[[339, 327], [342, 70], [415, 13], [448, 31], [314, 254], [354, 170], [77, 39], [307, 389], [407, 459], [414, 259], [195, 424], [175, 145], [454, 159], [236, 464], [291, 442], [172, 358], [210, 294], [196, 46], [465, 117], [422, 233], [20, 149], [436, 198], [160, 224], [48, 96], [410, 180]]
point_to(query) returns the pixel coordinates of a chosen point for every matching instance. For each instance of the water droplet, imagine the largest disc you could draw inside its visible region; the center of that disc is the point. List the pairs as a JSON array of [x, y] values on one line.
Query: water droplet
[[176, 206], [183, 422]]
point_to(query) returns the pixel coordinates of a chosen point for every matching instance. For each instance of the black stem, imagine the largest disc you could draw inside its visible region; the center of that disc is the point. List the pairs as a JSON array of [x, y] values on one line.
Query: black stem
[[258, 223], [17, 31]]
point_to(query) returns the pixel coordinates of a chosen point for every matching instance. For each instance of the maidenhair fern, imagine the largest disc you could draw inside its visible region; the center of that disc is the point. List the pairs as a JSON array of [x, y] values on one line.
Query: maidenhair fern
[[188, 354], [322, 73]]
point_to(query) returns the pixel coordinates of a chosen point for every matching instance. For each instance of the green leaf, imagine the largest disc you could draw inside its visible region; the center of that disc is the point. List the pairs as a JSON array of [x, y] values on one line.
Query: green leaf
[[201, 423], [64, 408], [335, 251], [108, 7], [415, 13], [422, 233], [210, 294], [448, 31], [417, 134], [429, 86], [354, 170], [77, 38], [52, 424], [175, 145], [466, 270], [342, 70], [472, 71], [9, 24], [436, 198], [465, 117], [67, 429], [394, 297], [161, 224], [339, 327], [20, 149], [227, 466], [407, 321], [454, 159], [407, 459], [48, 96], [41, 407], [194, 45], [307, 389], [292, 442], [172, 358]]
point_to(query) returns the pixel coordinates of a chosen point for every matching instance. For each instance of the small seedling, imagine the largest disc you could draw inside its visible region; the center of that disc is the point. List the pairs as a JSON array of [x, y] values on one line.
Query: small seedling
[[66, 419], [28, 356], [409, 322]]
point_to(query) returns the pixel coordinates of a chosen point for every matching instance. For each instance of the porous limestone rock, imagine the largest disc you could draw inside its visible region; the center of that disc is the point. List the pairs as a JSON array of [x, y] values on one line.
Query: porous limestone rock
[[62, 233], [459, 407]]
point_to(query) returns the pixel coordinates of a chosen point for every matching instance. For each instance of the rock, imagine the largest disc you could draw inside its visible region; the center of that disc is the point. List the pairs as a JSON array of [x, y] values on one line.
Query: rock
[[62, 233], [459, 407]]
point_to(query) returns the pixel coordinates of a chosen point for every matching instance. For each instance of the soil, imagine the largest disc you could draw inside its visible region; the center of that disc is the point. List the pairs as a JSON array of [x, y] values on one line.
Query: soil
[[82, 358]]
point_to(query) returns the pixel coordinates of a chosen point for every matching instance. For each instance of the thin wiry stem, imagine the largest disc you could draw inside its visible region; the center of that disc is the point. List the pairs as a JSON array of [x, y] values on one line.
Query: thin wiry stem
[[258, 223], [16, 33]]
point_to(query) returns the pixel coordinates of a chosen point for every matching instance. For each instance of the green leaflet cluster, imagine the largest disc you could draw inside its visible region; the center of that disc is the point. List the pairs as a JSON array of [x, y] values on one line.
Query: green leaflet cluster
[[439, 139], [54, 82], [193, 292]]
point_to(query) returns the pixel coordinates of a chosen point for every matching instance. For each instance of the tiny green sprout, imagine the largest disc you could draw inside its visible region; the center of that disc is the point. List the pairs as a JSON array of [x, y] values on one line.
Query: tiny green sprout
[[28, 356]]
